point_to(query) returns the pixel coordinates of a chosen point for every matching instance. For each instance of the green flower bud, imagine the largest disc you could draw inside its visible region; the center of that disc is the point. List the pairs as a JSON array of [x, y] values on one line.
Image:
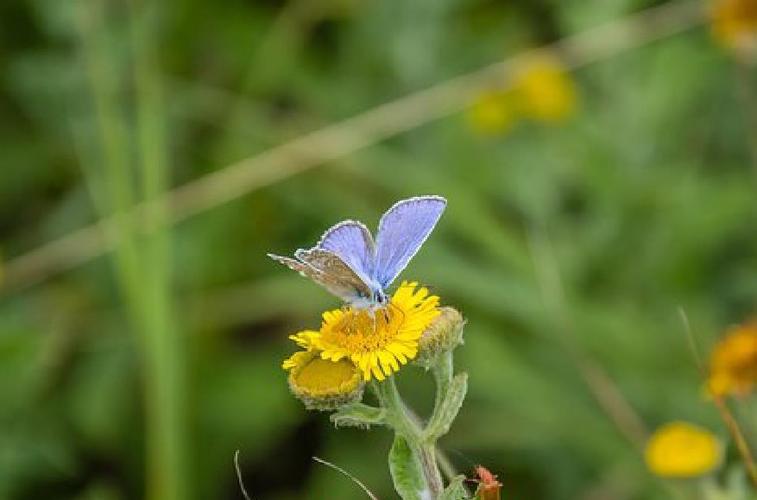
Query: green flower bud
[[443, 334], [323, 384]]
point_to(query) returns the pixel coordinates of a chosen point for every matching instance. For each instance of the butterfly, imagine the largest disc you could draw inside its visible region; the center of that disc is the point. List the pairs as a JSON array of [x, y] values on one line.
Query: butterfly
[[351, 265]]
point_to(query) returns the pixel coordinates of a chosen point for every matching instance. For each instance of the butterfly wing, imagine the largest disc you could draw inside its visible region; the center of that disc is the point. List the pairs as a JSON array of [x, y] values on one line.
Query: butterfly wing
[[402, 230], [353, 243], [329, 271]]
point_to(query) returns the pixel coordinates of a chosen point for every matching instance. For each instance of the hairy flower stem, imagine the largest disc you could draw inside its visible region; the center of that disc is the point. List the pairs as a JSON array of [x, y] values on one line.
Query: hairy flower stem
[[406, 424], [442, 372]]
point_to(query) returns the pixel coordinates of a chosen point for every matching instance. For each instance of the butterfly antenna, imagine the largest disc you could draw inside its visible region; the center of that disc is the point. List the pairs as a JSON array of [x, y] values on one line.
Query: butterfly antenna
[[345, 473], [431, 288], [465, 457], [239, 476], [397, 309]]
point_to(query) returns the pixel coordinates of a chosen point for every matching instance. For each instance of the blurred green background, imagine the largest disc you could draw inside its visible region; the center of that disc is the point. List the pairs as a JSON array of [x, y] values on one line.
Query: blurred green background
[[168, 351]]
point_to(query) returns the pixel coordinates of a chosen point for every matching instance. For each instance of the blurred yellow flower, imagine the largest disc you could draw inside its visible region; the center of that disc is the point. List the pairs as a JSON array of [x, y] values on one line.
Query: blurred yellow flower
[[545, 90], [493, 112], [733, 363], [540, 90], [734, 24], [377, 341], [681, 450]]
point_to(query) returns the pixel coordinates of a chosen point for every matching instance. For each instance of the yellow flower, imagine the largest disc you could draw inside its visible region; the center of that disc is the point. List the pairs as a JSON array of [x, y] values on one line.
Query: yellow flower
[[540, 89], [321, 384], [681, 450], [734, 24], [377, 341], [733, 363], [493, 112], [545, 90]]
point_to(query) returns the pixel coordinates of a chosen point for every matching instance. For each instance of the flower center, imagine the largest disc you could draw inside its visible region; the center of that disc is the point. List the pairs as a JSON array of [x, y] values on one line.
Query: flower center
[[360, 331]]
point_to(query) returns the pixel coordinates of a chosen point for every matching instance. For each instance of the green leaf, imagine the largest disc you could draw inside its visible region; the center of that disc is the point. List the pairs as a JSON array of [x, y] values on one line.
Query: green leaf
[[455, 490], [406, 470], [448, 408], [358, 415]]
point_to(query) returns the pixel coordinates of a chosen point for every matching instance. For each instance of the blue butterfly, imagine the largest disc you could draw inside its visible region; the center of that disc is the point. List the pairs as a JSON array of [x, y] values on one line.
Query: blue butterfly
[[348, 263]]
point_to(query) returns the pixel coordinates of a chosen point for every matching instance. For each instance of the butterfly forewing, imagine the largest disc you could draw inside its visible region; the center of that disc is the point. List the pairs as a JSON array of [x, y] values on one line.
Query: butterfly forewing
[[402, 231], [353, 243]]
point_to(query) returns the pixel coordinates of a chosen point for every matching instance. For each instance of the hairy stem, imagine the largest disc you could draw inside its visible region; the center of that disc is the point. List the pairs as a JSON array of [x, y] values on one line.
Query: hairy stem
[[404, 422]]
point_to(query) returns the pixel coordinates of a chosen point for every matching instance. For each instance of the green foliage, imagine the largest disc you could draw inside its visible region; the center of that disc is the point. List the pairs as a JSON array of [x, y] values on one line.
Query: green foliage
[[358, 415], [448, 408], [406, 470], [455, 490], [643, 201]]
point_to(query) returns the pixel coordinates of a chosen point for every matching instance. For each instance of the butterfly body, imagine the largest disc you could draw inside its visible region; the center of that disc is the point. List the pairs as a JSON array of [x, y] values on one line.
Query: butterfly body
[[351, 265]]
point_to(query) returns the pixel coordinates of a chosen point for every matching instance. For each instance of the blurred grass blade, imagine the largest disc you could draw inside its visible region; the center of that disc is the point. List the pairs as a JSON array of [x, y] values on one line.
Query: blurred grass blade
[[141, 259], [167, 450]]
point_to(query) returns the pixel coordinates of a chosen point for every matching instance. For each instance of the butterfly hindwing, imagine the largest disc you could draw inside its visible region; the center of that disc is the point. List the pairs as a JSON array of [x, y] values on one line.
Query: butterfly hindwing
[[335, 272], [401, 232], [328, 270]]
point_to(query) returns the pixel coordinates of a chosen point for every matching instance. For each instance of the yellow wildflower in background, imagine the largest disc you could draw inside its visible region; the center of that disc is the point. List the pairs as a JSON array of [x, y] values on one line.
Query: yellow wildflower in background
[[681, 450], [733, 363], [546, 92], [493, 112], [734, 24], [540, 90], [377, 342]]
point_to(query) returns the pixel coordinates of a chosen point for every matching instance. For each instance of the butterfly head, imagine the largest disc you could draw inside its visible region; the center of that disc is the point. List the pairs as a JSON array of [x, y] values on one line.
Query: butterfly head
[[376, 299], [380, 297]]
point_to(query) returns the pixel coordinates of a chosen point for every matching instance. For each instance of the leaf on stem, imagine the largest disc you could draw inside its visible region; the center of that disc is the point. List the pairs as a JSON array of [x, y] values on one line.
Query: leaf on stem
[[455, 490], [448, 408], [358, 415], [406, 471]]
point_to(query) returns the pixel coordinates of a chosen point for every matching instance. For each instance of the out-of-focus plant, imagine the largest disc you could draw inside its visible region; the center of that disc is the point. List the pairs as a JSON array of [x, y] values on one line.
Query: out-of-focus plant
[[546, 91], [493, 112], [733, 363], [539, 89], [691, 455], [734, 25], [682, 450]]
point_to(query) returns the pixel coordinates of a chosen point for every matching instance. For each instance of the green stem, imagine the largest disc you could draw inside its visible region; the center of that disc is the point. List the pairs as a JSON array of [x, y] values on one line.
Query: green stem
[[164, 356], [405, 424], [141, 264], [427, 455]]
